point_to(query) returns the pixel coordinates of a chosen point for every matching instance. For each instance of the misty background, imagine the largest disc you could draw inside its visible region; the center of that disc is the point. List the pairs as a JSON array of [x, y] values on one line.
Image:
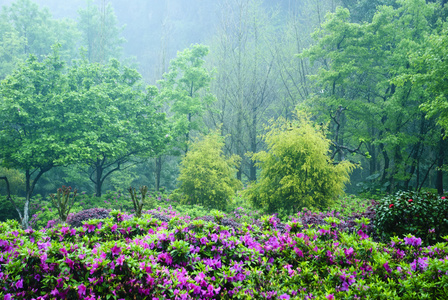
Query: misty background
[[260, 70]]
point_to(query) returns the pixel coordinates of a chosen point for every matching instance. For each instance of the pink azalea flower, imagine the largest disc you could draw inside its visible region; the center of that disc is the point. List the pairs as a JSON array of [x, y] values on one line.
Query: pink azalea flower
[[115, 250], [120, 260]]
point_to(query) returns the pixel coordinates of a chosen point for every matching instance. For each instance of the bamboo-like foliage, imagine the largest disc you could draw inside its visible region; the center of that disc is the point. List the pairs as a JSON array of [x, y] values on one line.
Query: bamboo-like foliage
[[63, 202], [297, 170]]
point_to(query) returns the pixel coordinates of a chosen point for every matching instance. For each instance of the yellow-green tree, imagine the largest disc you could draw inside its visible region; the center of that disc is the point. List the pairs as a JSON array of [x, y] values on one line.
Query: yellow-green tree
[[207, 177], [296, 170]]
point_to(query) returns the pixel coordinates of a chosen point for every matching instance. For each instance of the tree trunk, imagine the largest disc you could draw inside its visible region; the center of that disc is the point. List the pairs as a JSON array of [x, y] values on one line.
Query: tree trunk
[[440, 160], [8, 197], [157, 171], [238, 144], [373, 160], [99, 181], [253, 148]]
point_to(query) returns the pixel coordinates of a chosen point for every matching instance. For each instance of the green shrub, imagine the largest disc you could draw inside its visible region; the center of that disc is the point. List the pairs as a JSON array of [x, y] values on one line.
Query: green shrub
[[16, 181], [296, 170], [7, 210], [207, 177], [423, 214]]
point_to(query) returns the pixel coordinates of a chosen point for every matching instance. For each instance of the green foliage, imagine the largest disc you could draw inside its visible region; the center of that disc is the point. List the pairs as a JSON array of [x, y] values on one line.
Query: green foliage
[[358, 69], [26, 29], [422, 214], [100, 33], [16, 181], [207, 177], [432, 65], [350, 204], [296, 170], [116, 119], [32, 108], [7, 210], [185, 88]]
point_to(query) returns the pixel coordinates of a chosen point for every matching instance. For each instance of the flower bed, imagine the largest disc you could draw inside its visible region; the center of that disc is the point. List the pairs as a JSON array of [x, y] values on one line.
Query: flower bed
[[179, 258]]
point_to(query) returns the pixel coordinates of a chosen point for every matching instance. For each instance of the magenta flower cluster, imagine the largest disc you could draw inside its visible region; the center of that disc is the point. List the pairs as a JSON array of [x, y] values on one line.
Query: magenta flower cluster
[[130, 258]]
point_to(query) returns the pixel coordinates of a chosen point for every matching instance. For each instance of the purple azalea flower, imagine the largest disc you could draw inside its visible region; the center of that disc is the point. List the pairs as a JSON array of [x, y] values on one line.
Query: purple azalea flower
[[413, 241], [423, 263], [349, 252], [70, 263], [414, 265], [19, 284], [115, 250], [284, 296], [64, 230], [120, 260], [386, 266], [81, 290]]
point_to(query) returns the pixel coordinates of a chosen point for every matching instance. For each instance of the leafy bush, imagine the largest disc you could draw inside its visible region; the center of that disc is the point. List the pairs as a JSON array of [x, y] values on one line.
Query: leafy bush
[[297, 171], [350, 204], [16, 181], [76, 220], [206, 176], [7, 210], [423, 214]]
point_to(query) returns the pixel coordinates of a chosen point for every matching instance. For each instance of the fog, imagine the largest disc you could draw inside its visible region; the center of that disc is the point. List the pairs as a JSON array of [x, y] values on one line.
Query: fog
[[343, 62]]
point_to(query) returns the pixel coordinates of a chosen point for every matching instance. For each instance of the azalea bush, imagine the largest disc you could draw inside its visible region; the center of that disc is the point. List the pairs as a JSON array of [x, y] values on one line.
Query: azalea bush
[[165, 255], [423, 214]]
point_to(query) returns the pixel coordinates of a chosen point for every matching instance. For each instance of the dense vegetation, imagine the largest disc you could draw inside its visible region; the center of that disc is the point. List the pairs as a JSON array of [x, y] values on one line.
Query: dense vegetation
[[169, 255]]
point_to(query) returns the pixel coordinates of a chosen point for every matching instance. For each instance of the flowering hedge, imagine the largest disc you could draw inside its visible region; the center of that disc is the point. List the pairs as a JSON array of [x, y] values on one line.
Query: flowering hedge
[[128, 258], [423, 214]]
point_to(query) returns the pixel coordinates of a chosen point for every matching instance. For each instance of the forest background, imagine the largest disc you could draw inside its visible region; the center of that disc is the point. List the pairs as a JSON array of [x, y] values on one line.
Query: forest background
[[371, 73]]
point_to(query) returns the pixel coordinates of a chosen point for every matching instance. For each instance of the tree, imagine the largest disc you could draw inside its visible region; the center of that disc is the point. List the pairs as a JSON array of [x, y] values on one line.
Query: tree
[[245, 82], [185, 88], [207, 177], [296, 169], [100, 33], [358, 66], [34, 133], [28, 29], [431, 73], [432, 65], [117, 121]]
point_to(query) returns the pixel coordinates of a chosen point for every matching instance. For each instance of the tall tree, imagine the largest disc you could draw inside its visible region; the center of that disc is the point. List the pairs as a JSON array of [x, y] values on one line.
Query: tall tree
[[117, 120], [245, 80], [28, 29], [358, 66], [432, 73], [186, 88], [100, 33], [34, 133]]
